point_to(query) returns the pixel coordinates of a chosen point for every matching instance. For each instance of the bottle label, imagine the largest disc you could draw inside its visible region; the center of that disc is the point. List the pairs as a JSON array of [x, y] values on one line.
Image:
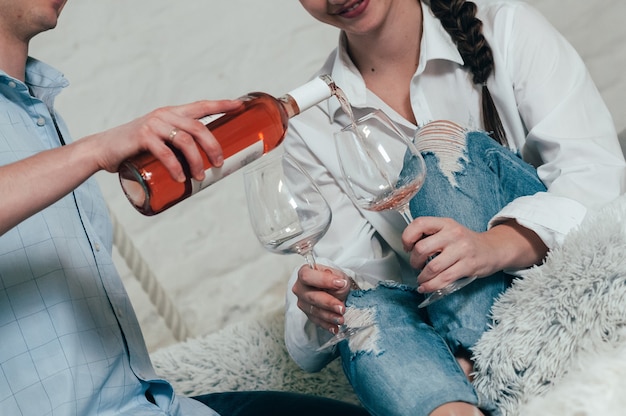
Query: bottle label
[[211, 117], [231, 164]]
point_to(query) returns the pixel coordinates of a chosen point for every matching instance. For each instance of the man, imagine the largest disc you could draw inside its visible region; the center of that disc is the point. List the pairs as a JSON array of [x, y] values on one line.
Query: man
[[70, 343]]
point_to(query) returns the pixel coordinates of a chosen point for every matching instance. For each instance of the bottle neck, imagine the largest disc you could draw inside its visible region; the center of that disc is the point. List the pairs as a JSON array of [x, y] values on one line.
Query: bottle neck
[[308, 95], [290, 105]]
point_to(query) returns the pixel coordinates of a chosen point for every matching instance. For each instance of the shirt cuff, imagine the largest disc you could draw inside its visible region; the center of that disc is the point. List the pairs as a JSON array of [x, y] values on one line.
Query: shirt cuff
[[550, 216]]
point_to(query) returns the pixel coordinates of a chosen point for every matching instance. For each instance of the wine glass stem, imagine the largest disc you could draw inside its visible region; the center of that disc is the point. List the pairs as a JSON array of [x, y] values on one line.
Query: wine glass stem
[[406, 213], [310, 259]]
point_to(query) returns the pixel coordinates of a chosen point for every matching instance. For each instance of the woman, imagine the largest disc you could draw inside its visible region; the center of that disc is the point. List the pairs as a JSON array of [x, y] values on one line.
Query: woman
[[494, 66]]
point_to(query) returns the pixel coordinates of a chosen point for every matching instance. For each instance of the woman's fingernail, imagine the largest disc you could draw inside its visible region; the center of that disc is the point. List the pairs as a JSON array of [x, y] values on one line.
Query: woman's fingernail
[[341, 309], [340, 283]]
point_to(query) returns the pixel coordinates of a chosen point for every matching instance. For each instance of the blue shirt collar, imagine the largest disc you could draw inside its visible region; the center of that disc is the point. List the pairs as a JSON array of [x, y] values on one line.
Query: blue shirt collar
[[43, 81]]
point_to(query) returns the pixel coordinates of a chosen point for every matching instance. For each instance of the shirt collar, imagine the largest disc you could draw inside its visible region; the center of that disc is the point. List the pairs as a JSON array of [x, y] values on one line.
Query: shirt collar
[[436, 44], [43, 81]]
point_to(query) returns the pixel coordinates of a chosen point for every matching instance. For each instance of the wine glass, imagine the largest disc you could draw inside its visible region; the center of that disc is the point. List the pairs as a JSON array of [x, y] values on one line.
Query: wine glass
[[287, 211], [384, 170], [382, 167]]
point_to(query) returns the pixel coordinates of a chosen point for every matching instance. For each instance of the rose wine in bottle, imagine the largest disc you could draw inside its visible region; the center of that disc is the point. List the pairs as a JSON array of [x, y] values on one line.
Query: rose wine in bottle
[[245, 134]]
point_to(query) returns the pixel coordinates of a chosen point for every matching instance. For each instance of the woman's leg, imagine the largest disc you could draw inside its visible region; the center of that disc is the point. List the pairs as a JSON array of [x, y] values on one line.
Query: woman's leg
[[470, 183], [472, 180], [400, 366], [406, 363]]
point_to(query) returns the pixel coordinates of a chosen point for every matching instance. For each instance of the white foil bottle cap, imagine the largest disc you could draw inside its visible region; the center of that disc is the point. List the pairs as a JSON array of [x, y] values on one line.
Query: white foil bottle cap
[[313, 92]]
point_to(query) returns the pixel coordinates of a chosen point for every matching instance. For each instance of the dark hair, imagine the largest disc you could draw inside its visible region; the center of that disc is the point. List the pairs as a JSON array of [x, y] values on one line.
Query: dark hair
[[458, 18]]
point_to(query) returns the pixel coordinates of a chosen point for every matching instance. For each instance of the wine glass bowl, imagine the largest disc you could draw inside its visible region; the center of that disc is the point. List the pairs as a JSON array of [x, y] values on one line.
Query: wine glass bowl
[[381, 166], [287, 211]]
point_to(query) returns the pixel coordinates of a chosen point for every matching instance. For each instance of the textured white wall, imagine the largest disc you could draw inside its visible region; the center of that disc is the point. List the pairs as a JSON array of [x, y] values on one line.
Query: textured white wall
[[126, 57], [134, 55]]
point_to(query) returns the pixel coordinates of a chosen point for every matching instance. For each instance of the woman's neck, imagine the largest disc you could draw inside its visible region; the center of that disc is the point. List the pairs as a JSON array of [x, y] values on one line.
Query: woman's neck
[[388, 57], [395, 43]]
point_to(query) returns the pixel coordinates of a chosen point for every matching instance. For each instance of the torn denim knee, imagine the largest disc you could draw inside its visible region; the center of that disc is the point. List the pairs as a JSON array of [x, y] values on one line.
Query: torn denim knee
[[450, 150], [367, 340]]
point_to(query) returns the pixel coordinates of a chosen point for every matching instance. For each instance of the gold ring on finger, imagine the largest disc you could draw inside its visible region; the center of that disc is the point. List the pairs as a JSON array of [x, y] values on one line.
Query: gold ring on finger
[[173, 134]]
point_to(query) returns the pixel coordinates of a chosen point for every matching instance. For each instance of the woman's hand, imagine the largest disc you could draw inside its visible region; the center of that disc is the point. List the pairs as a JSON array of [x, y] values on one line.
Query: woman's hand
[[456, 252], [177, 126], [321, 295]]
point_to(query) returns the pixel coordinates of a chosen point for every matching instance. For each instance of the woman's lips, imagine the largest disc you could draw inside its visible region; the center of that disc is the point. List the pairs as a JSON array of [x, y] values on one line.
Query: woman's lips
[[352, 9]]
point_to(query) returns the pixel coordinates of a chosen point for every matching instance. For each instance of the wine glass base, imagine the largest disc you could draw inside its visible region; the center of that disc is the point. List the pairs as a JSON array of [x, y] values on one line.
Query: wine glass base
[[441, 293], [345, 332]]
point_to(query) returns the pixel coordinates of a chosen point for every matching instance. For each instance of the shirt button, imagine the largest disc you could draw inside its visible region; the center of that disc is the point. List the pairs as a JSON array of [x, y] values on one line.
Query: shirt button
[[12, 84], [41, 121], [97, 246]]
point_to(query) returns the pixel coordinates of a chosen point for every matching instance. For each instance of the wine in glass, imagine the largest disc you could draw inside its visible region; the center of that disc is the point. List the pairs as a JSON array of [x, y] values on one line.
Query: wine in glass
[[287, 211], [384, 170]]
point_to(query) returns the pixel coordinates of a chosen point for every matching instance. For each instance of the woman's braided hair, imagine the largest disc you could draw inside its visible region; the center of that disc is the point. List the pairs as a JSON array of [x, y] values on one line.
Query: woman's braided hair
[[458, 18]]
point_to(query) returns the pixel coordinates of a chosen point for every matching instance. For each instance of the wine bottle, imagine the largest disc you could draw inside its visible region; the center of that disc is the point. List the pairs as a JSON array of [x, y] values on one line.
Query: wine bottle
[[245, 134]]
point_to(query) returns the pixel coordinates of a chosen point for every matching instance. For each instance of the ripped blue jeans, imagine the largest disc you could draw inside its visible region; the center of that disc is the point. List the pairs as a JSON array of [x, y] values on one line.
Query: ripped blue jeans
[[405, 364]]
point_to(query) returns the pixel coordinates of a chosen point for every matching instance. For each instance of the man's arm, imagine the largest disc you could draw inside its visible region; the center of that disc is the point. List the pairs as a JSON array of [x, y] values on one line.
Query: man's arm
[[32, 184]]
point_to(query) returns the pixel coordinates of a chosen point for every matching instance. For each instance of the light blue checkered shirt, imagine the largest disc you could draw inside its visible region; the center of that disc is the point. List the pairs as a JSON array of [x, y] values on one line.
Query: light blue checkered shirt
[[70, 343]]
